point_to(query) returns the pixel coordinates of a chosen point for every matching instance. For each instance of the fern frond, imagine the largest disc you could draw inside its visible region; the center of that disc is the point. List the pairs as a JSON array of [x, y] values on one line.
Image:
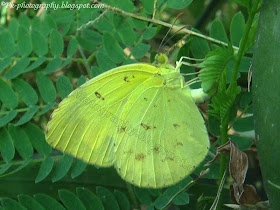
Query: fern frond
[[213, 67], [222, 102]]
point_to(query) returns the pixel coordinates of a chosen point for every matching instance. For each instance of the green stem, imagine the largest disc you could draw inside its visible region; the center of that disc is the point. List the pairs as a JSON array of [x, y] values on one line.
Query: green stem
[[242, 48], [17, 110], [223, 162], [132, 196], [77, 60], [37, 160], [239, 116], [20, 110], [91, 57], [21, 162], [85, 61]]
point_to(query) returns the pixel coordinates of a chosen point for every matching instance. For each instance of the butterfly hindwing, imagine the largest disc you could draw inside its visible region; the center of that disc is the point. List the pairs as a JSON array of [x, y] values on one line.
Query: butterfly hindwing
[[163, 147], [131, 145]]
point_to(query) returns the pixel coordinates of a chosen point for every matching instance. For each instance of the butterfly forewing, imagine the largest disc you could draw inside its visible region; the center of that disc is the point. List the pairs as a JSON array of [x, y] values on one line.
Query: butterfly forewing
[[84, 122]]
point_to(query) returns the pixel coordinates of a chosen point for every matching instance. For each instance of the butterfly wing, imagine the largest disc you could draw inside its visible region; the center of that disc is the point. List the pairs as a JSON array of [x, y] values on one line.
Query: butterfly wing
[[164, 140], [85, 121]]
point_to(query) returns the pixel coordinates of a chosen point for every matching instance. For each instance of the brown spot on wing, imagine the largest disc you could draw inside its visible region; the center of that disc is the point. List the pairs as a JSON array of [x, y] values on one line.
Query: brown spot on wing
[[147, 127], [145, 99], [156, 149], [155, 105], [176, 125], [168, 100], [128, 152], [179, 143], [98, 95], [126, 79], [122, 129], [140, 157], [170, 158]]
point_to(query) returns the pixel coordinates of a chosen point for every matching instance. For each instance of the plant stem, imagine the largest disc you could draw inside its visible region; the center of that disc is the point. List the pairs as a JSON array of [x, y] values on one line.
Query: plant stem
[[19, 110], [21, 162], [238, 117], [132, 196], [243, 42], [184, 30], [85, 61], [223, 163], [91, 57]]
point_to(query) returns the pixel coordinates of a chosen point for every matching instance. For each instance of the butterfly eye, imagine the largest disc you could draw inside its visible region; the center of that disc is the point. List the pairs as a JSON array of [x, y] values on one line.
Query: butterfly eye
[[160, 59]]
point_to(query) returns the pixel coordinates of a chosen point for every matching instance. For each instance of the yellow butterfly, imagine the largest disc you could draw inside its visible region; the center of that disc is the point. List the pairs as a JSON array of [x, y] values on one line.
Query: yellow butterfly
[[139, 118]]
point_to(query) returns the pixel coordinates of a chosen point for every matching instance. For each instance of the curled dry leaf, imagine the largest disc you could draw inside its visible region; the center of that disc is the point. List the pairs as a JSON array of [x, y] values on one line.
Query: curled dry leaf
[[248, 196], [262, 205], [238, 166]]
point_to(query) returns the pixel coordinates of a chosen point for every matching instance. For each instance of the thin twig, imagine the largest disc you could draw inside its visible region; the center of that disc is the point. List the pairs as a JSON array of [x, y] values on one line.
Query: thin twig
[[159, 22], [92, 21], [216, 201], [155, 9], [274, 185], [41, 10], [132, 195], [238, 117], [86, 64]]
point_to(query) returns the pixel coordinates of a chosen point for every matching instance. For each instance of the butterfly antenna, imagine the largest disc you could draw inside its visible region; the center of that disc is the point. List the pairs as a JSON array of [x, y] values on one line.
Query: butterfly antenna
[[179, 15], [175, 34], [177, 44]]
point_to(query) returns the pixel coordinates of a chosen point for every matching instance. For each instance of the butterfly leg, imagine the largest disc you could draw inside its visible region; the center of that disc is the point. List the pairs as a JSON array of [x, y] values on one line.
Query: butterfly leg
[[192, 81], [181, 62], [191, 59], [183, 82]]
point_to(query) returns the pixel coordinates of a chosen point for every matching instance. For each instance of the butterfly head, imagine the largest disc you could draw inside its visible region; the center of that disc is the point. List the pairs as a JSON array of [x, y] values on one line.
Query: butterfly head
[[168, 72], [161, 61]]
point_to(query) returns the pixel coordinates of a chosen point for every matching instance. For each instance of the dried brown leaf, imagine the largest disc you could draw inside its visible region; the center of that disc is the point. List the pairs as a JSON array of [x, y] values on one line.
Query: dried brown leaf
[[238, 166]]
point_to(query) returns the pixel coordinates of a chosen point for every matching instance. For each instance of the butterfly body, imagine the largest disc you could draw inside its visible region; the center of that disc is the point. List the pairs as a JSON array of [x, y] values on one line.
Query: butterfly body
[[139, 118]]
